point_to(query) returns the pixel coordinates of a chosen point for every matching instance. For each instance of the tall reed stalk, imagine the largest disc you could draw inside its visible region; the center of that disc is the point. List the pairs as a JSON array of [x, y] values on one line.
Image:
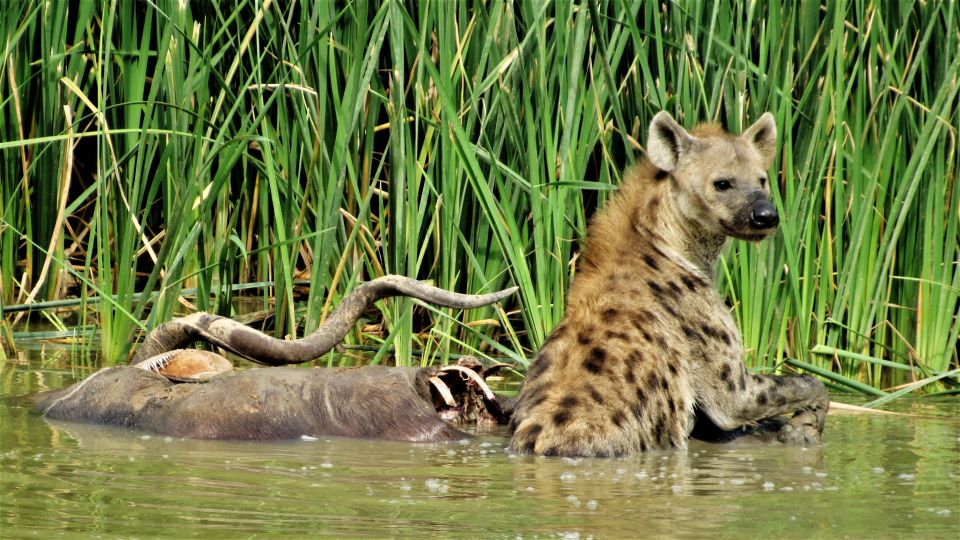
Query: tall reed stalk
[[148, 147]]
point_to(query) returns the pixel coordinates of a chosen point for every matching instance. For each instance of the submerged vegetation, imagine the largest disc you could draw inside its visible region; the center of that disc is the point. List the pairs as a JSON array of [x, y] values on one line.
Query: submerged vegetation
[[162, 157]]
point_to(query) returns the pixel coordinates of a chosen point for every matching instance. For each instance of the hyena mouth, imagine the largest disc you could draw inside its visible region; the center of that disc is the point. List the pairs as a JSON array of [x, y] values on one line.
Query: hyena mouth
[[756, 220], [745, 232]]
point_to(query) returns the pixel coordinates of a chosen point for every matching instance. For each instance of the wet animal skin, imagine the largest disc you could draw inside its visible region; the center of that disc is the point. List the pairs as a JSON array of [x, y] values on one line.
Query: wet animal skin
[[397, 403]]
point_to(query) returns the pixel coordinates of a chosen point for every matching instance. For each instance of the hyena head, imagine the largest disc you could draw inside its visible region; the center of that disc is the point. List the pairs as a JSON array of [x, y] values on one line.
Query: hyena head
[[720, 179]]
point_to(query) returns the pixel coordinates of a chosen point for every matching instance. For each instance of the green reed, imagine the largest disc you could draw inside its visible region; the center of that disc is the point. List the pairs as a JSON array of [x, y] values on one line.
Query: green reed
[[151, 147]]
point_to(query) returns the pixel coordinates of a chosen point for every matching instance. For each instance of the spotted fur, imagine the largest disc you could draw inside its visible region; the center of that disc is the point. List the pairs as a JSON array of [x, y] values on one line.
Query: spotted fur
[[646, 341]]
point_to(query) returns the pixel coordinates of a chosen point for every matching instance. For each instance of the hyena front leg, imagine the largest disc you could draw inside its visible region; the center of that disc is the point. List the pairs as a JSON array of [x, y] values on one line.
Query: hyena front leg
[[752, 398]]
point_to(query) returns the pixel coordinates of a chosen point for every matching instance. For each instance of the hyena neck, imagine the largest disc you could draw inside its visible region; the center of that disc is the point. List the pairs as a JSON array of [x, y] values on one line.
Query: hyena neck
[[644, 219], [699, 247]]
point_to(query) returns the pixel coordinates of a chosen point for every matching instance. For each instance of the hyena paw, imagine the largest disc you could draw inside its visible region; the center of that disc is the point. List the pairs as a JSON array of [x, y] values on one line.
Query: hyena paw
[[803, 429]]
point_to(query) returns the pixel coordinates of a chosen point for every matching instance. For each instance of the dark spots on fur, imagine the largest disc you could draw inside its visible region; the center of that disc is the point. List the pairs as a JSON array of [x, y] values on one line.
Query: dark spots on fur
[[743, 381], [568, 402], [628, 376], [561, 418], [673, 369], [637, 411], [539, 365], [618, 418], [610, 314], [584, 338], [661, 341], [673, 290], [653, 380], [671, 404], [709, 331], [654, 204], [780, 382], [725, 374], [635, 358], [616, 335], [692, 334], [641, 397], [781, 401], [529, 436], [725, 337], [731, 386], [660, 428], [646, 336], [593, 366], [643, 319], [586, 263], [537, 400], [594, 361], [651, 262], [595, 395], [661, 175], [655, 287], [619, 276], [643, 446], [558, 333], [533, 397], [762, 399], [553, 451], [673, 313], [690, 282]]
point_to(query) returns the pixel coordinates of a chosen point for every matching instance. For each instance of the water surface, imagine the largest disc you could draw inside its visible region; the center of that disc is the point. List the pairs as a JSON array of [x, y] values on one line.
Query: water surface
[[873, 477]]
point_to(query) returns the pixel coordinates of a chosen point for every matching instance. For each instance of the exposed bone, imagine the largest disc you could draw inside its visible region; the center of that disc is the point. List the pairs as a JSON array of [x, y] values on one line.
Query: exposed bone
[[444, 391], [187, 365], [473, 375], [158, 362]]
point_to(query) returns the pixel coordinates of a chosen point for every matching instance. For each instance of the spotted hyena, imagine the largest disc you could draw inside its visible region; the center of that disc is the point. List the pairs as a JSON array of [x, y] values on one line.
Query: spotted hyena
[[647, 346]]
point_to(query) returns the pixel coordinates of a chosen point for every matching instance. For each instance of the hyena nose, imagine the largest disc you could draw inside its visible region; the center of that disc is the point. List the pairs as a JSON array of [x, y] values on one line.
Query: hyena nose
[[764, 216]]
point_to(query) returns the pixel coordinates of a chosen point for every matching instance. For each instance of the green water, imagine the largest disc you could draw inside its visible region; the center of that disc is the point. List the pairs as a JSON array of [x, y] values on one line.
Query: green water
[[873, 477]]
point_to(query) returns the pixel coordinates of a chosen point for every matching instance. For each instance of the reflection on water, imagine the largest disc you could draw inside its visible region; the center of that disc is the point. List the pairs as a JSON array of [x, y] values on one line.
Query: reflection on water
[[874, 476]]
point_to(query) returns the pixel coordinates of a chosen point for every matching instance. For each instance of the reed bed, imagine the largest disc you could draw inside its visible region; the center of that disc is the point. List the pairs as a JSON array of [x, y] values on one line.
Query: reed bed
[[151, 147]]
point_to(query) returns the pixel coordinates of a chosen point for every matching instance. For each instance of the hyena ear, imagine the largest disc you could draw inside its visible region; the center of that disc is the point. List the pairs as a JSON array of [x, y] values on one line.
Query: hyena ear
[[666, 142], [763, 136]]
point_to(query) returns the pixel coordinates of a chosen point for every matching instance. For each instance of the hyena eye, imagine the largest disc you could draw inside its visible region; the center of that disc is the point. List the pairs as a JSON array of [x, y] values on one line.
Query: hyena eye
[[723, 185], [763, 181]]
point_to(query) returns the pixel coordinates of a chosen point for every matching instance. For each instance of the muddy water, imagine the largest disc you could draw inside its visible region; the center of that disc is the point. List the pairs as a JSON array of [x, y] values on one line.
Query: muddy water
[[874, 477]]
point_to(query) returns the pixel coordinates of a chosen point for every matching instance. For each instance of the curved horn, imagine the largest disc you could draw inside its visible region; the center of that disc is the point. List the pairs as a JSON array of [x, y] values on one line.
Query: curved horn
[[261, 348]]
